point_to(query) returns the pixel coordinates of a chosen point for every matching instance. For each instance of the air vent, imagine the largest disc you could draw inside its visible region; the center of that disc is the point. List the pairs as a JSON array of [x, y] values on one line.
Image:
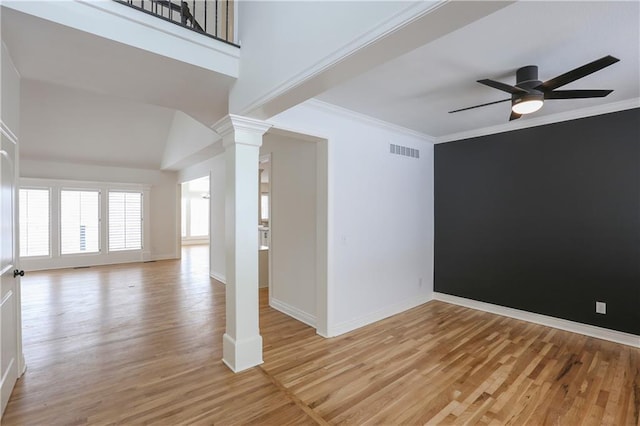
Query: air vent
[[404, 150]]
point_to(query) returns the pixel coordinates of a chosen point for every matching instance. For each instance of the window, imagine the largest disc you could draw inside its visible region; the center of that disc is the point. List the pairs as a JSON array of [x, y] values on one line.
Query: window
[[264, 207], [34, 222], [79, 221], [183, 217], [199, 218], [125, 221]]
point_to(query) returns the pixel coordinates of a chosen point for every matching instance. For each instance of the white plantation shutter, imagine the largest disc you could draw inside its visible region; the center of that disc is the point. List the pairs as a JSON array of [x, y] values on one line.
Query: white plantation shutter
[[34, 222], [125, 221], [79, 221]]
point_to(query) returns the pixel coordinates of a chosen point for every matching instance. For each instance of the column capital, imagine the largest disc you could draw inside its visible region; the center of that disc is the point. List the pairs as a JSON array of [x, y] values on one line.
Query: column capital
[[236, 129]]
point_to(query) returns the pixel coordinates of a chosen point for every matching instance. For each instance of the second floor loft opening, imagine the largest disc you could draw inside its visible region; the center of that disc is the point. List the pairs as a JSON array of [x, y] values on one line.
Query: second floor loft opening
[[213, 18]]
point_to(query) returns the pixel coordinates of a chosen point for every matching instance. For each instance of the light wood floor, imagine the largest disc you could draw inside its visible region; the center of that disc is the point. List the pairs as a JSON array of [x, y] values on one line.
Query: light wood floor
[[142, 343]]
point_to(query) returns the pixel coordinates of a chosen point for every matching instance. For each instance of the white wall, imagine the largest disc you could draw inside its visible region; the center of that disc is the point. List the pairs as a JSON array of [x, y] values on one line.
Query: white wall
[[293, 181], [380, 215], [187, 139], [164, 197]]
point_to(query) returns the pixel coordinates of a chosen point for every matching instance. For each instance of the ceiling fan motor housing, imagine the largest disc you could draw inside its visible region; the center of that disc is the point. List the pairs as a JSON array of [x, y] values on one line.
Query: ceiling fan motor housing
[[527, 77]]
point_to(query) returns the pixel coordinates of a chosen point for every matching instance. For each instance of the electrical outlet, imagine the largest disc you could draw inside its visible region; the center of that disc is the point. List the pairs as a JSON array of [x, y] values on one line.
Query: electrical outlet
[[601, 308], [420, 282]]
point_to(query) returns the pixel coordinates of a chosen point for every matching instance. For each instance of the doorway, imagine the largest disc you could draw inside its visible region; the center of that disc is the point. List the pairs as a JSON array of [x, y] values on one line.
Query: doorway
[[264, 215], [195, 211]]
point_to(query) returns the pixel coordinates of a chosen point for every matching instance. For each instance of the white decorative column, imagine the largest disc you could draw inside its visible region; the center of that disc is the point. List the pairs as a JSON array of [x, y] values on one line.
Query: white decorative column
[[241, 138]]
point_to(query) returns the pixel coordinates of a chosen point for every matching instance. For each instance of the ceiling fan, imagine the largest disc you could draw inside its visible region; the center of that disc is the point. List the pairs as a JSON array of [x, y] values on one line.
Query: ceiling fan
[[529, 93]]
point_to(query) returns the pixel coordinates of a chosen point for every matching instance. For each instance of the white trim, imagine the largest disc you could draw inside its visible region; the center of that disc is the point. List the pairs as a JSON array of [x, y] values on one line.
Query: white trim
[[541, 121], [6, 268], [218, 277], [362, 118], [401, 19], [13, 65], [154, 257], [6, 297], [240, 355], [347, 326], [234, 124], [6, 374], [69, 184], [194, 241], [293, 312], [5, 130], [562, 324]]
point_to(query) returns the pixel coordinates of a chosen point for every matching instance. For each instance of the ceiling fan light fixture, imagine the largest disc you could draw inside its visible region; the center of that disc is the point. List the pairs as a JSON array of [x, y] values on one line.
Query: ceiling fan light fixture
[[527, 103]]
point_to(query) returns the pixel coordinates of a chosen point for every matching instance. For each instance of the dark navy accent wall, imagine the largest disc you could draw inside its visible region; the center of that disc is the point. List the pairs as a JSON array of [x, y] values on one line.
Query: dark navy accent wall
[[544, 219]]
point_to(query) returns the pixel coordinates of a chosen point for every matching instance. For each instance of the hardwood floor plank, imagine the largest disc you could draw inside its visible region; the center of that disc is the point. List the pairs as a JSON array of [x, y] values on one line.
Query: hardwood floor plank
[[142, 344]]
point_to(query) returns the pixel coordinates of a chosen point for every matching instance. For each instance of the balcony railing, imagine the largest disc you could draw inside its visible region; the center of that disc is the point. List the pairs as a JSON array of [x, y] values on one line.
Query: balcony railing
[[213, 18]]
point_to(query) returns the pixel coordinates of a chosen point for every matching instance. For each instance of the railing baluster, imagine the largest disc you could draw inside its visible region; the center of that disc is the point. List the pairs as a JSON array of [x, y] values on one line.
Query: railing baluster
[[187, 15]]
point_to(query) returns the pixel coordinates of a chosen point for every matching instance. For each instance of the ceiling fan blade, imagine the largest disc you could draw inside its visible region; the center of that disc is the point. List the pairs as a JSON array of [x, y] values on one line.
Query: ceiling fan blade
[[576, 94], [478, 106], [577, 73], [502, 86], [514, 116]]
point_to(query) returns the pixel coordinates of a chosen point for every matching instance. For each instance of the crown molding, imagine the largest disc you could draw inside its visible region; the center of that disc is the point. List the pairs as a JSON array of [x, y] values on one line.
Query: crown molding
[[401, 19], [245, 130], [542, 121], [362, 118]]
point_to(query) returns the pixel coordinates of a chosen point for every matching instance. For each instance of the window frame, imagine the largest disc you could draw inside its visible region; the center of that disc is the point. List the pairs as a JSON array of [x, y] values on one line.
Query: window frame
[[49, 230], [108, 227], [60, 233]]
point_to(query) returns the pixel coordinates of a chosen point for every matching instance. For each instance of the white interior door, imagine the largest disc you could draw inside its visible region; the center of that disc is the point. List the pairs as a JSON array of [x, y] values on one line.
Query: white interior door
[[10, 335]]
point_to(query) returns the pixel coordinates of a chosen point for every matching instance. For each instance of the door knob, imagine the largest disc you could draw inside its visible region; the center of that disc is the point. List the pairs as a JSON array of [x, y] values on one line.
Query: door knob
[[17, 272]]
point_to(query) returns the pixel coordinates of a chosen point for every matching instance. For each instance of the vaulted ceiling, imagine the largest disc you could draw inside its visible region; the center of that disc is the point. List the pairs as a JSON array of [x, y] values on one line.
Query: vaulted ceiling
[[92, 100]]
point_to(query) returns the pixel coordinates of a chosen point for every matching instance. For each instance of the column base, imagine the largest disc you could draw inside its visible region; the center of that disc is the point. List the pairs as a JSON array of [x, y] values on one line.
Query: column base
[[240, 355]]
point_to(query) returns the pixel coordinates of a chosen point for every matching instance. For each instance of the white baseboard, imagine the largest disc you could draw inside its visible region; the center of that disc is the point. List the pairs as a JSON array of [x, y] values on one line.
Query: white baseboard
[[196, 242], [562, 324], [218, 277], [347, 326], [293, 312], [168, 256]]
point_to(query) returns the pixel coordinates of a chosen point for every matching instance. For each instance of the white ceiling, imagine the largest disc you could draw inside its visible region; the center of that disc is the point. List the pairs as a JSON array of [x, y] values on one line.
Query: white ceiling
[[91, 100], [46, 51], [87, 99], [418, 89], [73, 125]]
